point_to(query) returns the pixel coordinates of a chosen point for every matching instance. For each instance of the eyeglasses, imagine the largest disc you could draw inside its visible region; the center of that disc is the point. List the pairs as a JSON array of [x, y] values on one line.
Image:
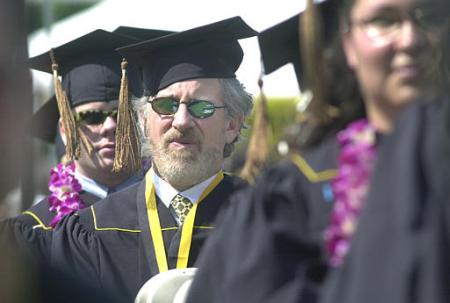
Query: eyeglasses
[[200, 109], [95, 117], [386, 26]]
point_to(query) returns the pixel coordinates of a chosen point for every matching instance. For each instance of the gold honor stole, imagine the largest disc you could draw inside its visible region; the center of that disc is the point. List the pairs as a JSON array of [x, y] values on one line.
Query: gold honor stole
[[187, 227]]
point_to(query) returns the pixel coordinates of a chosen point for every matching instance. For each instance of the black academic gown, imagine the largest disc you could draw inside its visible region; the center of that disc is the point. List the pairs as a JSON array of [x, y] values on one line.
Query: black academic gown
[[26, 280], [268, 246], [401, 250], [111, 243], [31, 230]]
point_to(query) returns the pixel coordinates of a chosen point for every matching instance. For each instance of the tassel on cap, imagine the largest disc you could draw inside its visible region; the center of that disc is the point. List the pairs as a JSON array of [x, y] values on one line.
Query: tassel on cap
[[85, 141], [127, 153], [65, 112], [258, 148], [319, 112]]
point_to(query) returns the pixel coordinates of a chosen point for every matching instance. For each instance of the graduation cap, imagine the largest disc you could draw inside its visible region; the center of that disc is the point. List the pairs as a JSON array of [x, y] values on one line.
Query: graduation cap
[[141, 33], [44, 125], [89, 66], [90, 70], [280, 44], [209, 51], [44, 122], [299, 40]]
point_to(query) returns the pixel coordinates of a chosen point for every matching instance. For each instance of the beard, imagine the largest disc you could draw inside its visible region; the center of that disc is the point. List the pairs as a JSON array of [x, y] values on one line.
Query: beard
[[188, 166]]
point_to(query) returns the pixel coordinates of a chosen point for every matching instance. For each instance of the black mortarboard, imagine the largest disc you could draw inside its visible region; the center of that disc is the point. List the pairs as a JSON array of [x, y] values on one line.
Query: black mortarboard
[[89, 67], [44, 123], [279, 44], [141, 33], [302, 40], [209, 51]]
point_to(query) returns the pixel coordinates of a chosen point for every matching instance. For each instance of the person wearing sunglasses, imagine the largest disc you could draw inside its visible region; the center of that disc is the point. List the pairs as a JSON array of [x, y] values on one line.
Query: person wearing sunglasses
[[91, 74], [192, 111]]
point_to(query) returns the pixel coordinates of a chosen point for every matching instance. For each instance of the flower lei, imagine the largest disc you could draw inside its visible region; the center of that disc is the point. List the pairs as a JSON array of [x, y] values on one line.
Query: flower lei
[[350, 187], [65, 192]]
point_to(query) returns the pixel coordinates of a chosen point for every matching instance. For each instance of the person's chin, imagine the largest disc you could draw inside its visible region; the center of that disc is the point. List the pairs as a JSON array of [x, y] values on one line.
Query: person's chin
[[107, 162], [403, 91], [406, 95], [107, 152]]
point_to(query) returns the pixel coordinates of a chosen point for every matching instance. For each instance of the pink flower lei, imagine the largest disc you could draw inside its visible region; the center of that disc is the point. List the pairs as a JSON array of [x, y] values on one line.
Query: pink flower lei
[[65, 192], [350, 187]]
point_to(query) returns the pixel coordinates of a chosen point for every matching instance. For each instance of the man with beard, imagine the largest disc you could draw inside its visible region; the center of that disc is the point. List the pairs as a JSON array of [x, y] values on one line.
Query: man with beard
[[193, 109]]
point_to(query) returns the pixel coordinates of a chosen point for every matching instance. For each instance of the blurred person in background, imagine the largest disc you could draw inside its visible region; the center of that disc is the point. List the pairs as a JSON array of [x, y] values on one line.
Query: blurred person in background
[[400, 252], [278, 240], [22, 280], [16, 96]]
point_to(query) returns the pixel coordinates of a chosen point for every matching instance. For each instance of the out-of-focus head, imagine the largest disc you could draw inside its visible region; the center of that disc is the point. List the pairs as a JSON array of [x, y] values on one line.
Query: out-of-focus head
[[397, 50], [383, 55], [15, 93], [194, 106]]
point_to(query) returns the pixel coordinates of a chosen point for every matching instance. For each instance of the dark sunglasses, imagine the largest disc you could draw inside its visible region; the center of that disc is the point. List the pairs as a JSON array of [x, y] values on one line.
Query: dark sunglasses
[[95, 117], [200, 109]]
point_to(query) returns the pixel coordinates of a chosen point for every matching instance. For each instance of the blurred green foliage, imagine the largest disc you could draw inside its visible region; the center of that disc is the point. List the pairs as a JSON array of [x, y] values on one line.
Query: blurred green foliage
[[282, 112], [34, 12]]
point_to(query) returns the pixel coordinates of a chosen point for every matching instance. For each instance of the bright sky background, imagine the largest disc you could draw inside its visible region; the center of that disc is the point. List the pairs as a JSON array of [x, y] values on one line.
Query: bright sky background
[[180, 15]]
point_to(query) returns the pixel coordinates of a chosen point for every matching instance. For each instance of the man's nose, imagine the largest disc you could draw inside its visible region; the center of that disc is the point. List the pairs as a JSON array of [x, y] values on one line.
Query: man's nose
[[182, 119]]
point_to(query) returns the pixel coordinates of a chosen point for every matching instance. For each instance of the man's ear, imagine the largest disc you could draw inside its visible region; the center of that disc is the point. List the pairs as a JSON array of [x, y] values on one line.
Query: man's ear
[[233, 128], [62, 132]]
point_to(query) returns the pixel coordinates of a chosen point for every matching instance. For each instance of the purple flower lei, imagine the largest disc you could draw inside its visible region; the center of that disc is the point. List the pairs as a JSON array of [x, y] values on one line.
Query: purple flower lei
[[65, 192], [350, 187]]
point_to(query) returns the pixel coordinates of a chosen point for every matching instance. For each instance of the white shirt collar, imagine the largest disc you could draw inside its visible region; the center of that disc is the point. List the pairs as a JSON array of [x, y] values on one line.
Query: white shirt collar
[[92, 187], [166, 192], [99, 190]]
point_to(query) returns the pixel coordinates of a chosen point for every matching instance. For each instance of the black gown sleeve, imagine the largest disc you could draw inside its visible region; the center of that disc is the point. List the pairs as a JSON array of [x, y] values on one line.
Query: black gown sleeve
[[401, 250], [30, 232], [32, 242], [263, 249], [24, 279], [101, 244], [74, 248]]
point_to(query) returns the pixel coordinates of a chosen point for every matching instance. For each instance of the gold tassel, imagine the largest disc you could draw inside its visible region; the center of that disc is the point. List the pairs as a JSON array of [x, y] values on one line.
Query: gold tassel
[[65, 112], [85, 141], [319, 112], [127, 153], [258, 147]]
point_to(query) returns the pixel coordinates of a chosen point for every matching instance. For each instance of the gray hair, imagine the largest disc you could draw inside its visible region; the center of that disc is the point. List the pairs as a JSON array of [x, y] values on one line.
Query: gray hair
[[141, 110], [237, 100]]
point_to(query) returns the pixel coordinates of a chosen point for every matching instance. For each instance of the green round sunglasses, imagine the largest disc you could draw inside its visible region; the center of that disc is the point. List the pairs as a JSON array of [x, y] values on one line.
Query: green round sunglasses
[[200, 109]]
